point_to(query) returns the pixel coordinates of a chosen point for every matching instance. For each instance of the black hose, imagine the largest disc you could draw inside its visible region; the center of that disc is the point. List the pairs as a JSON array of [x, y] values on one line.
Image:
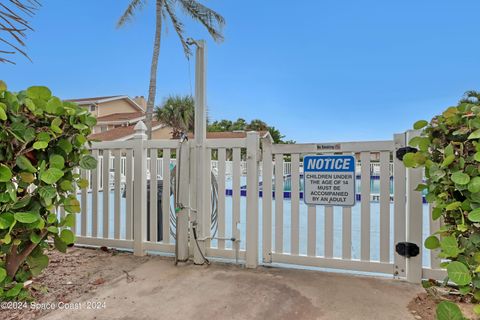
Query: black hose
[[205, 260]]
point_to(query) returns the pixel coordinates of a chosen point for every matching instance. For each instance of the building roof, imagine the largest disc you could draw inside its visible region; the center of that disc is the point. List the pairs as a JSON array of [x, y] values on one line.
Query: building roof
[[122, 117], [127, 132], [99, 100], [228, 134], [120, 133]]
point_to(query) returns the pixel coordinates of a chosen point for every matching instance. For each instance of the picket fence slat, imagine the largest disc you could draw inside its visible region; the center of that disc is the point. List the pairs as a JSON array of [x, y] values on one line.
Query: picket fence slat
[[279, 203], [221, 196], [365, 206], [295, 198]]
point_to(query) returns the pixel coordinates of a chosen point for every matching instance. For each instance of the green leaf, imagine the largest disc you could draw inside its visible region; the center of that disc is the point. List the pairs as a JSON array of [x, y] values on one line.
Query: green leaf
[[453, 206], [432, 243], [54, 105], [27, 177], [409, 160], [3, 114], [66, 185], [47, 192], [37, 263], [51, 176], [5, 173], [35, 237], [420, 124], [72, 205], [474, 185], [82, 183], [53, 229], [447, 310], [51, 218], [13, 292], [460, 178], [476, 156], [26, 217], [24, 163], [459, 273], [39, 92], [436, 213], [29, 104], [448, 161], [57, 161], [67, 236], [474, 135], [88, 162], [3, 274], [449, 246], [474, 215], [69, 220], [59, 244], [40, 145], [65, 145], [6, 220]]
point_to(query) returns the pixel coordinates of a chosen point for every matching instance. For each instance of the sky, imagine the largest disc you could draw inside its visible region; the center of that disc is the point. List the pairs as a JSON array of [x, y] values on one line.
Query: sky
[[319, 71]]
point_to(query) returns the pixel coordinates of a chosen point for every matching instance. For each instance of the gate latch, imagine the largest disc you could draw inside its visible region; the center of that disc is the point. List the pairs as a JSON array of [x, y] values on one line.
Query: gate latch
[[407, 249], [403, 151]]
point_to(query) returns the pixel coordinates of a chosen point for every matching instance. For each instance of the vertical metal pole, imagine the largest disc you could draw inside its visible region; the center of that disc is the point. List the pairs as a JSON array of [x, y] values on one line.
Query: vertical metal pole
[[414, 219], [200, 138]]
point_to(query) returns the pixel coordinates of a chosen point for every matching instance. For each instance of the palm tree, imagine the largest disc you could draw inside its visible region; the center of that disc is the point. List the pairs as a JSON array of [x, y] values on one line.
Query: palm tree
[[210, 19], [178, 113], [14, 15]]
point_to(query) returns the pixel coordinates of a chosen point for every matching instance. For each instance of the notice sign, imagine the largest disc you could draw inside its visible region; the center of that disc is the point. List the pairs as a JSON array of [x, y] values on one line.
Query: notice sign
[[329, 180]]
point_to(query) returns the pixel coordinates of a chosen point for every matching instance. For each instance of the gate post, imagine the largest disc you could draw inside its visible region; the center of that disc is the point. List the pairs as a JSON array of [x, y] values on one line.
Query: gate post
[[252, 200], [399, 204], [184, 199], [140, 190], [414, 218]]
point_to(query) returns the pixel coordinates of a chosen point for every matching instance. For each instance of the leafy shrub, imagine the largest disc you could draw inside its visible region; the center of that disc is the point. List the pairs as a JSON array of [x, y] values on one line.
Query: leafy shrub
[[449, 149], [42, 142]]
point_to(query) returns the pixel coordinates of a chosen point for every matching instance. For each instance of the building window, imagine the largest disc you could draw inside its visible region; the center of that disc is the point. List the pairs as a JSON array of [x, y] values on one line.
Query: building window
[[92, 108]]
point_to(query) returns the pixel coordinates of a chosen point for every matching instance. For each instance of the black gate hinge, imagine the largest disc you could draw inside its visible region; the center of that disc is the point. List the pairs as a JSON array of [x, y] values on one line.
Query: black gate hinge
[[403, 151], [407, 249]]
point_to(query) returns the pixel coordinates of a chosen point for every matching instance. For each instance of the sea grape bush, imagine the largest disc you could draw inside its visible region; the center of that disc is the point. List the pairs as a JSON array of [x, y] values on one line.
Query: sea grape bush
[[43, 140], [449, 150]]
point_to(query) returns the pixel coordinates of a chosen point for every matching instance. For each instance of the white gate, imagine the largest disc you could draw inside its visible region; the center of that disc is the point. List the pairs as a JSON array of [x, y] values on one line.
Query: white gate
[[338, 247]]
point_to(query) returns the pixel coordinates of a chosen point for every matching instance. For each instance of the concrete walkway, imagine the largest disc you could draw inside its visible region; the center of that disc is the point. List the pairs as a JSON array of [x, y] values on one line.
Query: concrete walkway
[[159, 290]]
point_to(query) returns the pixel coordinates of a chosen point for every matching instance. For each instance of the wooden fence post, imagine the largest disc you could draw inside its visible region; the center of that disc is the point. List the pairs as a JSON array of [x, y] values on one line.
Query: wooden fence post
[[140, 190]]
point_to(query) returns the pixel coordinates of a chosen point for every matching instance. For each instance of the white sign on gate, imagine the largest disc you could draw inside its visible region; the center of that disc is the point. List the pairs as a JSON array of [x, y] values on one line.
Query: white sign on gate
[[329, 180]]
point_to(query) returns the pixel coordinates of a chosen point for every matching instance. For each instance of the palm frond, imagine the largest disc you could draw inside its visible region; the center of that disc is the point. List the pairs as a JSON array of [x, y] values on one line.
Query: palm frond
[[178, 26], [130, 11], [211, 20], [13, 23]]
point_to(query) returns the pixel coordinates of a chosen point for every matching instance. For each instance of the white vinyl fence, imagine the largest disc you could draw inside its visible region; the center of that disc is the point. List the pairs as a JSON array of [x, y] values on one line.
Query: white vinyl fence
[[231, 221]]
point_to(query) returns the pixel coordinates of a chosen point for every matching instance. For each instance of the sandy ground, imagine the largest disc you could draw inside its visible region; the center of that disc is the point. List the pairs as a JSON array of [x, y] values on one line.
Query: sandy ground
[[70, 276], [156, 289]]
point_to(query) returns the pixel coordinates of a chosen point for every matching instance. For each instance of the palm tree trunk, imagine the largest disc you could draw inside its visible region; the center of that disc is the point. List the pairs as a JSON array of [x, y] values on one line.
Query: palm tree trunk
[[152, 91]]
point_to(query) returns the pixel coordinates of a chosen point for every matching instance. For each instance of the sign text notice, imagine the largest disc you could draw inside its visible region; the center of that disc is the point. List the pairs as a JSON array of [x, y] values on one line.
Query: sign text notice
[[329, 180]]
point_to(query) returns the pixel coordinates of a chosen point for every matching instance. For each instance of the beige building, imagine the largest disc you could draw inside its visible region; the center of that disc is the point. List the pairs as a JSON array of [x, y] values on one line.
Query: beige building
[[117, 116]]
